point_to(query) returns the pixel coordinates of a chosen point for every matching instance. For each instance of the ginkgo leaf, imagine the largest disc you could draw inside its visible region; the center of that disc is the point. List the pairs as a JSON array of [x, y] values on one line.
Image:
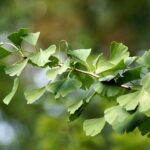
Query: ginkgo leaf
[[16, 69], [80, 54], [42, 57], [107, 90], [53, 72], [102, 65], [118, 52], [144, 127], [9, 97], [94, 126], [130, 123], [72, 109], [130, 60], [144, 102], [63, 87], [31, 38], [33, 95], [130, 75], [76, 109], [16, 37], [139, 98], [3, 52], [146, 82], [129, 101], [115, 115], [144, 59]]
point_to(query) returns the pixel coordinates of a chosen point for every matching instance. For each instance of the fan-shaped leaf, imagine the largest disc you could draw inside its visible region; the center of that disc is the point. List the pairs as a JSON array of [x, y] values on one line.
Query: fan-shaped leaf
[[34, 95], [80, 54], [16, 69], [42, 57], [16, 37], [63, 87], [93, 126], [144, 59], [31, 38], [118, 52]]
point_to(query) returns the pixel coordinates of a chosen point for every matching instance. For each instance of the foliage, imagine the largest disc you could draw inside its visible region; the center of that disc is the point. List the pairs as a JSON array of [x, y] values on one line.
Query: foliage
[[123, 80]]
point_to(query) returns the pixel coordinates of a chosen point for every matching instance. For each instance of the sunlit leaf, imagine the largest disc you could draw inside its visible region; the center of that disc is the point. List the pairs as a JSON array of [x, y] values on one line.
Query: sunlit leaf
[[129, 101], [115, 115], [93, 126], [81, 54], [31, 38], [16, 68], [118, 52], [144, 59]]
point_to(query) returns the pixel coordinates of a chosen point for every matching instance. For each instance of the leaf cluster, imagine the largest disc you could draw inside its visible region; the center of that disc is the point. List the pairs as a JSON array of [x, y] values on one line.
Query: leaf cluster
[[121, 77]]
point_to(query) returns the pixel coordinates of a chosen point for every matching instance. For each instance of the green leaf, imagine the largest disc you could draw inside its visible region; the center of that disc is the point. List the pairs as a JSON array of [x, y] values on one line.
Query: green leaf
[[121, 120], [93, 127], [72, 109], [129, 124], [3, 52], [53, 72], [132, 100], [53, 62], [107, 90], [115, 115], [33, 95], [9, 97], [118, 52], [42, 57], [76, 109], [146, 82], [80, 54], [102, 65], [16, 68], [144, 60], [63, 87], [16, 37], [31, 38], [130, 75], [129, 101], [144, 102], [144, 127], [2, 68], [130, 60]]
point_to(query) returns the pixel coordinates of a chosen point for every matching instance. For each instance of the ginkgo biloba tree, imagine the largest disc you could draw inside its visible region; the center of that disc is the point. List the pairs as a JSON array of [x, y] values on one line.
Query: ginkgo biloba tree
[[121, 78]]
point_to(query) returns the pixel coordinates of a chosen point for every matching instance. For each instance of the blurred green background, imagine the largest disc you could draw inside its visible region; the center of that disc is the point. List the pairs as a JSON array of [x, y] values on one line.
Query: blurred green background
[[84, 24]]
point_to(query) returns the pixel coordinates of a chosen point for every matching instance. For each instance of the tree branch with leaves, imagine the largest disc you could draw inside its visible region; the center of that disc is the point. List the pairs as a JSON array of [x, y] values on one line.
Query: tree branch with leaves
[[120, 77]]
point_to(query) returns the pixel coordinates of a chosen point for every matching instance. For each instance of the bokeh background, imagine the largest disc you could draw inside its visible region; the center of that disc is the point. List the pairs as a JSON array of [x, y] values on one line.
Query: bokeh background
[[84, 24]]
